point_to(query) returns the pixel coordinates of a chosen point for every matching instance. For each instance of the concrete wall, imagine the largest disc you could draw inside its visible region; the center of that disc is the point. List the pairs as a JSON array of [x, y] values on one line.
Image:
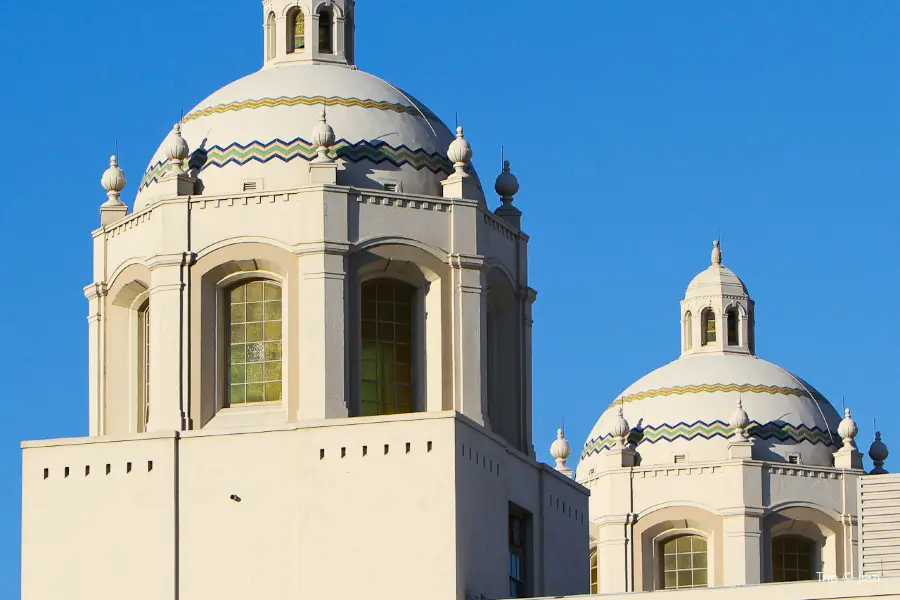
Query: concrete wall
[[390, 507]]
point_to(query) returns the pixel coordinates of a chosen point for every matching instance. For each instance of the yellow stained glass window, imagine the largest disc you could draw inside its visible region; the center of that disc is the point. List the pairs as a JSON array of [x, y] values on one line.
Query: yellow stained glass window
[[709, 327], [299, 30], [684, 563], [387, 348], [254, 348]]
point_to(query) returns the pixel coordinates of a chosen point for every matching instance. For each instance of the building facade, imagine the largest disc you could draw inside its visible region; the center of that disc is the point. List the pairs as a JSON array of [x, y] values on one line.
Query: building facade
[[310, 360]]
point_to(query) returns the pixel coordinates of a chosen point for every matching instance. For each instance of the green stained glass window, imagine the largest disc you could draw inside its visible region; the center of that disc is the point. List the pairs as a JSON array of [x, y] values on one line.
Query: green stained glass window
[[387, 353], [684, 562], [792, 559], [254, 353]]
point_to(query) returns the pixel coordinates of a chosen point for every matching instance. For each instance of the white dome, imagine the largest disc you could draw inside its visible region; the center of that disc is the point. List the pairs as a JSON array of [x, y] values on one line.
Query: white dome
[[684, 408], [259, 129], [714, 281]]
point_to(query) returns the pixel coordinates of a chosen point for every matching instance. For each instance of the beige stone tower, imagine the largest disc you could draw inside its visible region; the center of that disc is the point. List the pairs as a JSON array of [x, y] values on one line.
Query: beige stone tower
[[310, 341]]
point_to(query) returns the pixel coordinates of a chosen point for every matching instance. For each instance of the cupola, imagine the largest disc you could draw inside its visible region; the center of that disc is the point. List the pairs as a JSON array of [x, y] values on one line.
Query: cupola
[[717, 312], [309, 31]]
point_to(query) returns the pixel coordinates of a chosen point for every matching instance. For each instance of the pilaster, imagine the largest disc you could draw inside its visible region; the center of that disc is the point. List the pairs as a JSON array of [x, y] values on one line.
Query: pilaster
[[469, 316], [96, 295], [742, 538], [613, 562], [322, 331]]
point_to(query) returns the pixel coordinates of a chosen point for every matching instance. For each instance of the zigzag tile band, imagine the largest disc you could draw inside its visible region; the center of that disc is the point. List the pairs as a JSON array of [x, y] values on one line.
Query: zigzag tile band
[[650, 434], [240, 154], [714, 387], [311, 101]]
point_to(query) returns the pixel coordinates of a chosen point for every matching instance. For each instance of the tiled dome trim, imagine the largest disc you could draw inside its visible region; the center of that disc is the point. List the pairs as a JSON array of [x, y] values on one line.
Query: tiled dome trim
[[778, 431]]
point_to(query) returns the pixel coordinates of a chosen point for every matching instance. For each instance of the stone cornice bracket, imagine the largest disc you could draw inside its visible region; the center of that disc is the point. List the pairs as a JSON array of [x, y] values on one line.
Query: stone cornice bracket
[[463, 261], [171, 260], [323, 247], [96, 290]]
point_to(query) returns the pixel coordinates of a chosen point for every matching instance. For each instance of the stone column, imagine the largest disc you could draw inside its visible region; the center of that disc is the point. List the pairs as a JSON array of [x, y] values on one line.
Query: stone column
[[322, 332], [168, 314]]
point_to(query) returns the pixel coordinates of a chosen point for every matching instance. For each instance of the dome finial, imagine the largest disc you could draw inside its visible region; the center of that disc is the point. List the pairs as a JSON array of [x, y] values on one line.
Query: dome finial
[[620, 428], [113, 181], [878, 452], [460, 152], [177, 149], [560, 450], [323, 137], [717, 253], [848, 430], [740, 420], [507, 185]]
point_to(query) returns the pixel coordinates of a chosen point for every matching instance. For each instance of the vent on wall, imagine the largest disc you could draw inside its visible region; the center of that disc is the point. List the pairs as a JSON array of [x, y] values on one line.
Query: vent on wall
[[794, 459], [391, 187], [250, 186], [680, 458]]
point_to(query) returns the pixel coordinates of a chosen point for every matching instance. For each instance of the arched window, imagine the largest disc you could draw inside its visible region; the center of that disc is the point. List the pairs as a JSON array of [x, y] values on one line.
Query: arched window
[[684, 562], [271, 36], [387, 348], [143, 366], [326, 31], [732, 321], [688, 334], [792, 558], [349, 38], [254, 343], [708, 327], [595, 579], [297, 28]]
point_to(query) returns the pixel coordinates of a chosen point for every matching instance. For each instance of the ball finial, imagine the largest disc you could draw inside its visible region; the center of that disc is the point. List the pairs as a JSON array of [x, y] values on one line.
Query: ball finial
[[113, 180], [560, 450], [507, 185], [460, 152], [878, 452], [323, 137], [717, 253]]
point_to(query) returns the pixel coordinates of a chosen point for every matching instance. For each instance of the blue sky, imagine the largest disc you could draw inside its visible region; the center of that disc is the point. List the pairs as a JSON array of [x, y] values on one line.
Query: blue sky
[[640, 131]]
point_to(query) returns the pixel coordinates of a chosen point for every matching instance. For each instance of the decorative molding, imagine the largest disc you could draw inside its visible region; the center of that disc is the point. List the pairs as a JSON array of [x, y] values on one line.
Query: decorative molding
[[797, 471], [650, 434], [714, 387], [263, 152], [287, 101], [499, 226], [399, 202]]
